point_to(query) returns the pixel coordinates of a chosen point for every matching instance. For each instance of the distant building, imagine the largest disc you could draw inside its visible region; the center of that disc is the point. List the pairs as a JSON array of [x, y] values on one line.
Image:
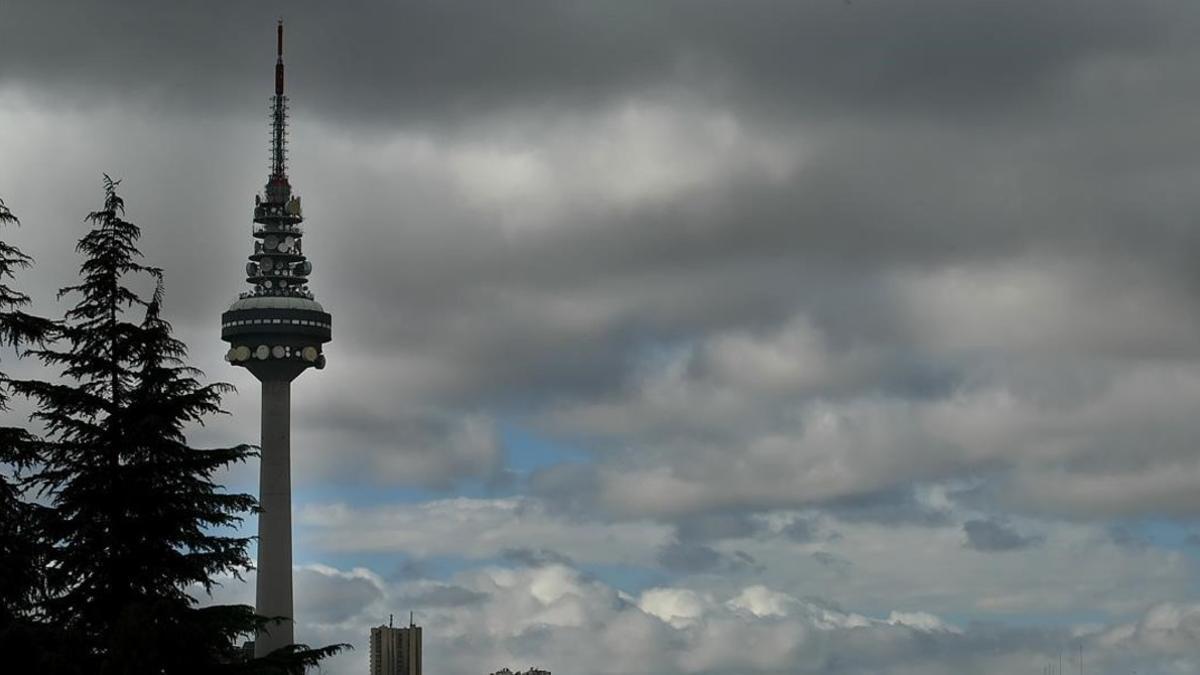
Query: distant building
[[396, 651], [531, 671]]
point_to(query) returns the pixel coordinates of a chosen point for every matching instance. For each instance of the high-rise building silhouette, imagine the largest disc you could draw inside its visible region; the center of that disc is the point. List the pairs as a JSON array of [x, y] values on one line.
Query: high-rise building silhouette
[[276, 331], [396, 651]]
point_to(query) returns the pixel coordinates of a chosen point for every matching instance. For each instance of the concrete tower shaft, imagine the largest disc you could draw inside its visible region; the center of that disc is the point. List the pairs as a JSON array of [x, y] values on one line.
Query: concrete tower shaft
[[276, 331]]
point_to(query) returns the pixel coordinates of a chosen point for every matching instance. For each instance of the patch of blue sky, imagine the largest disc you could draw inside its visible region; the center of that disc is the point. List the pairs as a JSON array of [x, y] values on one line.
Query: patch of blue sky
[[1171, 534], [384, 563], [1175, 535], [397, 566], [526, 451], [363, 494], [394, 565]]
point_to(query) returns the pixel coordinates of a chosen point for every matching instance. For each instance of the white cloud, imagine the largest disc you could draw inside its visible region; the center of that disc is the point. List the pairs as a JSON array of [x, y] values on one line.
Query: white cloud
[[903, 567], [1041, 305], [1169, 627], [922, 621], [554, 617], [533, 173], [762, 601], [676, 606], [477, 528]]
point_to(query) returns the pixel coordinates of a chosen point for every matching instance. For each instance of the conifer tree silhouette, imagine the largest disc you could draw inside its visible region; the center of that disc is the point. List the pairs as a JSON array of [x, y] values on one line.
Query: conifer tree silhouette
[[23, 546]]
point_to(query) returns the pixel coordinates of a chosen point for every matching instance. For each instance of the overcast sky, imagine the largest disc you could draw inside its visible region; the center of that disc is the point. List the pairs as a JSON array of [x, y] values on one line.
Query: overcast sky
[[823, 336]]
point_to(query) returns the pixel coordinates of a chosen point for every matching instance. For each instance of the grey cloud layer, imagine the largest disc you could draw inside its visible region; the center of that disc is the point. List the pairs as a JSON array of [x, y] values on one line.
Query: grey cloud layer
[[969, 195], [451, 59], [858, 295]]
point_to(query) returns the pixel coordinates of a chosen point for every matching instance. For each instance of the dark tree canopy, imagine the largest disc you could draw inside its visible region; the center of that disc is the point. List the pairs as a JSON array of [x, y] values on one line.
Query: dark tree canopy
[[16, 327], [24, 546], [17, 555]]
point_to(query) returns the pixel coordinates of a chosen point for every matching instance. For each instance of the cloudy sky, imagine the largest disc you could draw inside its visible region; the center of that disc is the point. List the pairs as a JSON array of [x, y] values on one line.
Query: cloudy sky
[[823, 336]]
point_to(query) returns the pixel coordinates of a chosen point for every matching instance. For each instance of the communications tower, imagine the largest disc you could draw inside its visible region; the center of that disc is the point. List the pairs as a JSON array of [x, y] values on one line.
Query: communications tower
[[275, 331]]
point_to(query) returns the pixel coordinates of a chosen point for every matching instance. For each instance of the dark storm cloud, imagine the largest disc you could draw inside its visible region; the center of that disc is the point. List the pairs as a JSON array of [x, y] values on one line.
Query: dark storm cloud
[[852, 53], [993, 535], [856, 206], [432, 60]]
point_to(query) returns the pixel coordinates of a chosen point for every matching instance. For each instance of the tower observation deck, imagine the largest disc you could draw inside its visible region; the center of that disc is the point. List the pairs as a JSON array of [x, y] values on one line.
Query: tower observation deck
[[276, 331]]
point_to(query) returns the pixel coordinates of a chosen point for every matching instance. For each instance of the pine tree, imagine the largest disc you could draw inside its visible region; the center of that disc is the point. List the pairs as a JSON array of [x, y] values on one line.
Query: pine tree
[[137, 514], [18, 562], [23, 545], [18, 549]]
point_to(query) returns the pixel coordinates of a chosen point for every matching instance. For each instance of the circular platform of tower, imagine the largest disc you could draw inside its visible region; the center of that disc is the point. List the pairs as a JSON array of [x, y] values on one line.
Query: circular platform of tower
[[277, 329]]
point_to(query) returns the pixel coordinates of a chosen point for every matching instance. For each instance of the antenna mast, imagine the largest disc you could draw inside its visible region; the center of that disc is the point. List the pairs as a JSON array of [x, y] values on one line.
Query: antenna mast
[[278, 189]]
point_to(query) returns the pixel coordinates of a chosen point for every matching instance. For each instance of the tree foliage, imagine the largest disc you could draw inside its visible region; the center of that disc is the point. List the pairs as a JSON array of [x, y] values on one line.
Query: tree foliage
[[31, 644]]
